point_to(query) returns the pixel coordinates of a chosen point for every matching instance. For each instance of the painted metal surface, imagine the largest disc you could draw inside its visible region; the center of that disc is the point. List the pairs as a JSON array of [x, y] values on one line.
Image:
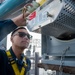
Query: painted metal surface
[[58, 52], [55, 51], [55, 19], [41, 18]]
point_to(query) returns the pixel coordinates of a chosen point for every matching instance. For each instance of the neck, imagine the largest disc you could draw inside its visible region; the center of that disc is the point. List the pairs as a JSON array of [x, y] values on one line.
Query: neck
[[17, 51]]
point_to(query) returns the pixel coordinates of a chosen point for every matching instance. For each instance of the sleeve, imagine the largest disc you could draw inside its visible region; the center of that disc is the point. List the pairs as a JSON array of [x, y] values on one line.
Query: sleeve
[[6, 26]]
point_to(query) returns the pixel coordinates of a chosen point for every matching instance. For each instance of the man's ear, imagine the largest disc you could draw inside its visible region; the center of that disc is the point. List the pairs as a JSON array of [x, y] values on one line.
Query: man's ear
[[11, 39]]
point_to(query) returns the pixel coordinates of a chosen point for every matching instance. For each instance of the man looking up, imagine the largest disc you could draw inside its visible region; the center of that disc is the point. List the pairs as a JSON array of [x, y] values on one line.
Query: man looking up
[[13, 61]]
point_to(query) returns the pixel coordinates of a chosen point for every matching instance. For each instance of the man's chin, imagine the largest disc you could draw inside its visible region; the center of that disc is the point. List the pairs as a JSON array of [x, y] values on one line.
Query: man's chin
[[23, 47]]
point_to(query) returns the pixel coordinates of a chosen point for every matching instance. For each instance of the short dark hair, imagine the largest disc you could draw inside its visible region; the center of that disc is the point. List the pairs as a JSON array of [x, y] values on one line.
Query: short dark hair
[[17, 30]]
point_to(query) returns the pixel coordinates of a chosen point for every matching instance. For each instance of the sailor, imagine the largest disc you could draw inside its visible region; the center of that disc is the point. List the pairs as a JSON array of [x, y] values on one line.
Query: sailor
[[13, 61]]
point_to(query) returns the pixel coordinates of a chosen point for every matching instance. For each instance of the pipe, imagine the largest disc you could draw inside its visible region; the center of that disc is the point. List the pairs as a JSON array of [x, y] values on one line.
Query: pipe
[[8, 5]]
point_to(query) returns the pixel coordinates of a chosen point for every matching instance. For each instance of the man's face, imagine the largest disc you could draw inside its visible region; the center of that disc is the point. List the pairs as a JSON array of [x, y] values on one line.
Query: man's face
[[20, 38]]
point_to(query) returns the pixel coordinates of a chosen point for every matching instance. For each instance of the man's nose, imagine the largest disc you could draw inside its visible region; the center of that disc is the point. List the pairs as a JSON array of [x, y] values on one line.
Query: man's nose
[[26, 37]]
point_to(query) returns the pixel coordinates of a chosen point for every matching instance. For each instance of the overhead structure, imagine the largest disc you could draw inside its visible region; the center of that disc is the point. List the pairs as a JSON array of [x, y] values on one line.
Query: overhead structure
[[7, 7], [55, 20]]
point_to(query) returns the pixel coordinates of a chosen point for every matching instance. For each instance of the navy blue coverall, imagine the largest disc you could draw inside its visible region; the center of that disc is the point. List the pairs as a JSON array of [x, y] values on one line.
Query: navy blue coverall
[[6, 26]]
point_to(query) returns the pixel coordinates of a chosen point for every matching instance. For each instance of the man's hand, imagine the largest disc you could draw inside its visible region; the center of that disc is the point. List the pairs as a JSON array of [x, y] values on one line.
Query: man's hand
[[21, 19]]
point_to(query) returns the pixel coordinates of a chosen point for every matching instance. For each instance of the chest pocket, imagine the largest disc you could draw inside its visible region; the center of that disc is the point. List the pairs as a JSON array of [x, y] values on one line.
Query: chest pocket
[[14, 64]]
